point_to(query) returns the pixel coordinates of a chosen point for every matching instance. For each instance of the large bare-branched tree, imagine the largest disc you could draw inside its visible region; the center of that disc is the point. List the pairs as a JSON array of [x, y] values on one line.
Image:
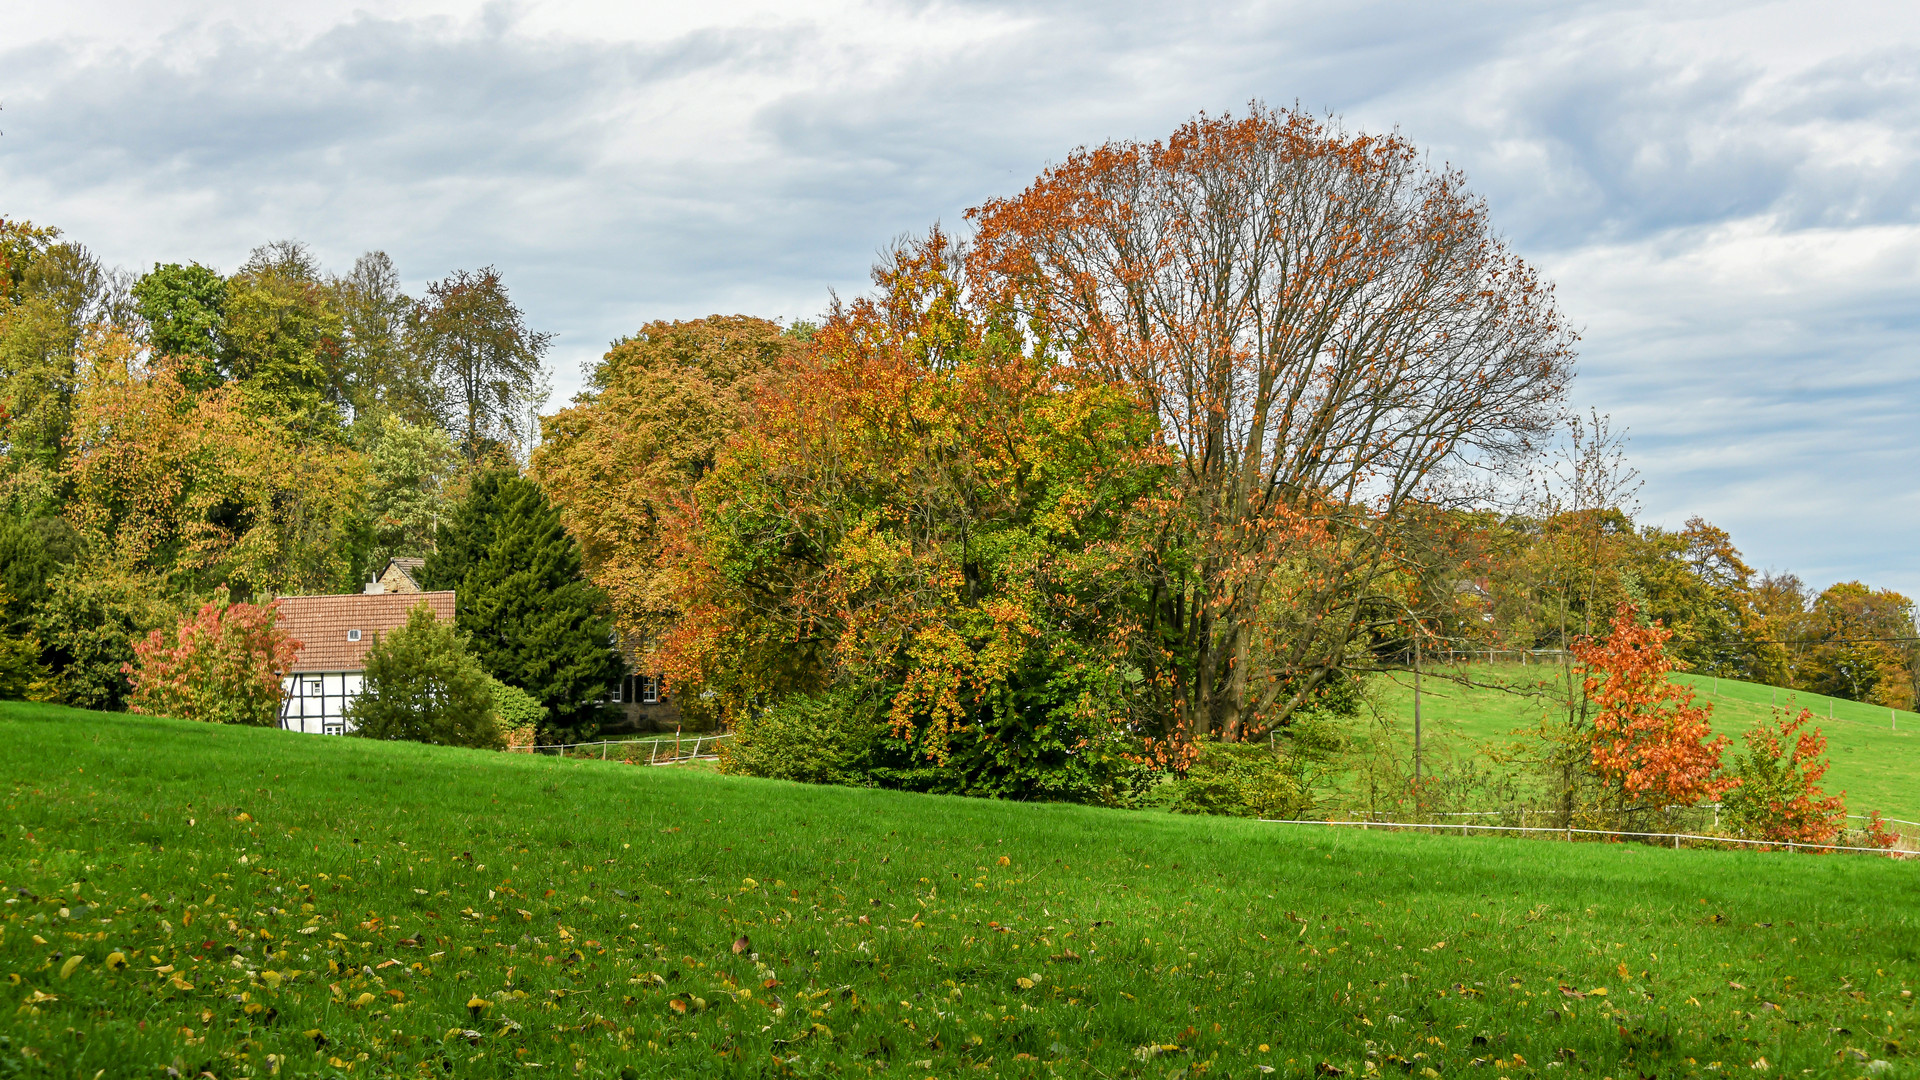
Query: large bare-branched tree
[[1329, 331]]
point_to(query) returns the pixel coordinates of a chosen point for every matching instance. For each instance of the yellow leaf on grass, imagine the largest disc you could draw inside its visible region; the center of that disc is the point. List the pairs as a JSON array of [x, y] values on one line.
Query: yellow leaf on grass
[[117, 961], [72, 965]]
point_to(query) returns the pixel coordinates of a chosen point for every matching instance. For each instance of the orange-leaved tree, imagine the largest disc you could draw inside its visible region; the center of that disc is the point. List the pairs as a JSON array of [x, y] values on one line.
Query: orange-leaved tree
[[925, 510], [1779, 797], [1650, 741], [223, 665], [1328, 331], [622, 460]]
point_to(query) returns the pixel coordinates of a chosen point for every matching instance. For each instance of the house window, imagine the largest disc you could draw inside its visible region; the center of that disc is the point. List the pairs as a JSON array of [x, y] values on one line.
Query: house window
[[353, 635], [313, 687], [650, 690]]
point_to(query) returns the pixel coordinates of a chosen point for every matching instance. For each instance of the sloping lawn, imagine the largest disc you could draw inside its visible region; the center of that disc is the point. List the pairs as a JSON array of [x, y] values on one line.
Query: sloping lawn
[[1875, 751], [318, 906]]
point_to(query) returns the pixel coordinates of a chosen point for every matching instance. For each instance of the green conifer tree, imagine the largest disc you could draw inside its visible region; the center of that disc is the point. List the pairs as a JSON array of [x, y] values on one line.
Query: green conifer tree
[[534, 620]]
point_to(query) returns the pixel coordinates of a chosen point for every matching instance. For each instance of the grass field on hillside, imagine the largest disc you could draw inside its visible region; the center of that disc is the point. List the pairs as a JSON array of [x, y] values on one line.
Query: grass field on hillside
[[1875, 755], [238, 902]]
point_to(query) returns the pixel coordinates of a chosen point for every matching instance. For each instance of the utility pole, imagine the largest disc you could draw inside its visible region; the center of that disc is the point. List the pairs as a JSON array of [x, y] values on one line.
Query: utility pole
[[1416, 708]]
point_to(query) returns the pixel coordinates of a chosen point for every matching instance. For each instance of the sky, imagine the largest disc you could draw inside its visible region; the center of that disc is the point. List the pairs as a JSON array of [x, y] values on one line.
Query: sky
[[1726, 195]]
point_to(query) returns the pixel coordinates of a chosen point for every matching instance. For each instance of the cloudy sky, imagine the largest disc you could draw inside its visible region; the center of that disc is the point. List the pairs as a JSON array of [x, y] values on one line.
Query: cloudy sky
[[1727, 194]]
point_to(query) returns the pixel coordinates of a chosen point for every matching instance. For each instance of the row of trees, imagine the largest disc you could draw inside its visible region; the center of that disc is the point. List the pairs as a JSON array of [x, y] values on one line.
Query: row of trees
[[274, 431], [1189, 437]]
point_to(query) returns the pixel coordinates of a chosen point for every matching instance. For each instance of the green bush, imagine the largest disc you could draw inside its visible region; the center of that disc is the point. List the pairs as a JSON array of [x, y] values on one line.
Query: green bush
[[514, 707], [1235, 780], [422, 685], [87, 625], [829, 738]]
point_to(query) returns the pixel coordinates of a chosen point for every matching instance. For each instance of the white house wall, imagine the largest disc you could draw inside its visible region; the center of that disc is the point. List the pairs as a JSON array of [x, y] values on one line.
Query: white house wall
[[316, 701]]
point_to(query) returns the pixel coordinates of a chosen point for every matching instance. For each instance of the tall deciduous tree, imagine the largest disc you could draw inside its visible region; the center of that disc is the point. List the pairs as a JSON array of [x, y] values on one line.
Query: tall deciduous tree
[[622, 460], [486, 361], [535, 621], [380, 371], [202, 489], [409, 470], [921, 511], [59, 293], [185, 309], [281, 337], [1326, 328]]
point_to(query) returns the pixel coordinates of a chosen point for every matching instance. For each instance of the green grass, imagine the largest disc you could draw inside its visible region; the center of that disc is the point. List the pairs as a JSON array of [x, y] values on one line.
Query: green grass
[[386, 886], [1875, 755]]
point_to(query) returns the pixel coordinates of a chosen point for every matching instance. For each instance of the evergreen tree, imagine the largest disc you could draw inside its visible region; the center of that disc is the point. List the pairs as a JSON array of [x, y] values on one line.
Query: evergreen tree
[[534, 620]]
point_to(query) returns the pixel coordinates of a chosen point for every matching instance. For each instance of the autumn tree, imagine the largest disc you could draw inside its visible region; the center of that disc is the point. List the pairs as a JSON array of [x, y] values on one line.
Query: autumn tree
[[1857, 644], [922, 517], [202, 489], [280, 338], [1327, 330], [223, 665], [1779, 795], [1649, 741], [484, 359], [621, 461], [60, 291]]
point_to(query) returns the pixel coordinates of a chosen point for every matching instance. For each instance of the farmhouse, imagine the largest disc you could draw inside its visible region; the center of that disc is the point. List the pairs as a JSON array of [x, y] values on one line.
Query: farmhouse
[[335, 633]]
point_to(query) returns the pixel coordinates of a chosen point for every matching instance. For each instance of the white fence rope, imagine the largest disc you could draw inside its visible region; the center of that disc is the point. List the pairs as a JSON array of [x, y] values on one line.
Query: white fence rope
[[1675, 837], [654, 756]]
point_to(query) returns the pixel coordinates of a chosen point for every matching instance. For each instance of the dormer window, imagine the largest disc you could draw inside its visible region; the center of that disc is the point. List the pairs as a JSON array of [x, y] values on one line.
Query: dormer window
[[353, 635]]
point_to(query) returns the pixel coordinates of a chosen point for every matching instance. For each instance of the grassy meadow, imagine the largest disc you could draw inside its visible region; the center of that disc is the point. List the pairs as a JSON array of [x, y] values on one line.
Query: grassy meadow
[[238, 902], [1466, 708]]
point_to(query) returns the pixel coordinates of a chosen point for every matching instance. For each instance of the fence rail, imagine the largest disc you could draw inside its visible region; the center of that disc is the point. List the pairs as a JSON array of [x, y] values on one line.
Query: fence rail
[[1571, 832], [666, 750]]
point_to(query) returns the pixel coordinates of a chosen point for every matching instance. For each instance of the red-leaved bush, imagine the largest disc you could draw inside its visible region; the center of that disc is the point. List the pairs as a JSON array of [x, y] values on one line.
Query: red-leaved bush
[[1649, 739], [1779, 797], [222, 666]]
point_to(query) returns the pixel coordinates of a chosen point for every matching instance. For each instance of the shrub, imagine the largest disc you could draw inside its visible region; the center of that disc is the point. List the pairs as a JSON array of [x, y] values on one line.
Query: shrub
[[1779, 797], [423, 685], [1234, 780], [21, 675], [829, 738], [87, 626], [518, 713], [222, 666]]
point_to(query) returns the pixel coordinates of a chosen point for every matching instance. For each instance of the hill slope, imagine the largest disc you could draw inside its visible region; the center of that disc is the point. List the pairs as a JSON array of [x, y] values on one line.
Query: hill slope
[[1875, 752], [327, 906]]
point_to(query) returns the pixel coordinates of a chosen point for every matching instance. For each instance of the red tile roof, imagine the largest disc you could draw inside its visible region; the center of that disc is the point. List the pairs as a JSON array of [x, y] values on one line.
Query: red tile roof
[[320, 624]]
